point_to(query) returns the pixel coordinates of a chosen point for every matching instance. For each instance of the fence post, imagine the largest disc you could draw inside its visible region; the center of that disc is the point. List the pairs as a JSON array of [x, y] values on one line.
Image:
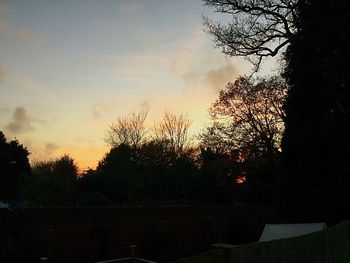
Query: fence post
[[133, 251]]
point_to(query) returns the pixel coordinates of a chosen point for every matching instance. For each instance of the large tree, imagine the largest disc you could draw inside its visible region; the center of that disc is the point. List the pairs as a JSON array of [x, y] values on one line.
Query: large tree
[[53, 182], [247, 128], [248, 117], [151, 172], [128, 130], [14, 168], [139, 166], [316, 143], [173, 130], [117, 176], [258, 29]]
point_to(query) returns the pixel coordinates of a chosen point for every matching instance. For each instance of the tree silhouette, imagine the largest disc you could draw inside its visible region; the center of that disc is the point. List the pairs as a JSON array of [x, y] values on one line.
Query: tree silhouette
[[217, 174], [145, 168], [248, 117], [173, 130], [316, 145], [117, 177], [14, 168], [128, 130], [151, 172], [258, 29], [246, 131], [53, 182]]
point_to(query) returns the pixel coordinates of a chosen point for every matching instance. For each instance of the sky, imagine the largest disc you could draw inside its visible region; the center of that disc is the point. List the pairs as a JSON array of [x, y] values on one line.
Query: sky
[[68, 69]]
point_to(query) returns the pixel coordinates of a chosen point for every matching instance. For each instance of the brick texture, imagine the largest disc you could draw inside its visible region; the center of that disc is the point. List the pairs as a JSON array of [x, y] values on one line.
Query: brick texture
[[91, 234]]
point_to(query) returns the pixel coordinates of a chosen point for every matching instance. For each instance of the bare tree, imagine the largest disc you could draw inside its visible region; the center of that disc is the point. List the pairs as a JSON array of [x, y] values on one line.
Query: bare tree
[[173, 129], [129, 130], [248, 116], [259, 28]]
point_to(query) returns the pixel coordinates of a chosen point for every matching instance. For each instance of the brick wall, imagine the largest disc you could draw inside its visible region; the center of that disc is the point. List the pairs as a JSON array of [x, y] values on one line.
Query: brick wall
[[90, 234]]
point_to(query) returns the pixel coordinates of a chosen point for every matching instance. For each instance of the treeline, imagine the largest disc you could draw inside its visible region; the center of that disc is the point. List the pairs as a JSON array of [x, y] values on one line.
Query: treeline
[[233, 161], [310, 39], [309, 167]]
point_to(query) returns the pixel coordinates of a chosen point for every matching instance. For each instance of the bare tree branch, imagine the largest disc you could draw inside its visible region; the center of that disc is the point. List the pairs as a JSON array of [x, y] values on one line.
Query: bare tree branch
[[258, 29], [247, 116], [127, 130], [173, 129]]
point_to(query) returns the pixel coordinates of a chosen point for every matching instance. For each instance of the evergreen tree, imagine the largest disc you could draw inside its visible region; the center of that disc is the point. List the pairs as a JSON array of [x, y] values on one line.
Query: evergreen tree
[[14, 167], [316, 143]]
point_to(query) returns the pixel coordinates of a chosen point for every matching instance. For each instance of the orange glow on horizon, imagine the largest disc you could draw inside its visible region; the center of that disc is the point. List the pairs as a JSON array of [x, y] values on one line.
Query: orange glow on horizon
[[240, 179]]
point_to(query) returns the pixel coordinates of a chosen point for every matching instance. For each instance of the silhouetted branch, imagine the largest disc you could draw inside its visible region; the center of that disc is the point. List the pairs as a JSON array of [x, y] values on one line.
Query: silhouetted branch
[[128, 130], [258, 29]]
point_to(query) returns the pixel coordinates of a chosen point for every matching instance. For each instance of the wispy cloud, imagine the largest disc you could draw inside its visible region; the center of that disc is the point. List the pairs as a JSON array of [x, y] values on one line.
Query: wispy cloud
[[96, 111], [200, 69], [186, 52], [27, 83], [106, 109], [218, 78], [131, 7], [207, 75], [83, 140], [50, 147], [1, 73], [4, 110], [7, 30], [20, 122], [185, 78]]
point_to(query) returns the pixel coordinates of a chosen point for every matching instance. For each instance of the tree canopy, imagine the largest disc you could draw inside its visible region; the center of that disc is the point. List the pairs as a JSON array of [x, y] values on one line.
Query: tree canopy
[[14, 168], [248, 116], [246, 130], [53, 182], [315, 145]]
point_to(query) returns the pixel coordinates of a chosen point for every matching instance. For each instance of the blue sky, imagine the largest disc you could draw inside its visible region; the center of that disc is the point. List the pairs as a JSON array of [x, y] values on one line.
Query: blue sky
[[69, 68]]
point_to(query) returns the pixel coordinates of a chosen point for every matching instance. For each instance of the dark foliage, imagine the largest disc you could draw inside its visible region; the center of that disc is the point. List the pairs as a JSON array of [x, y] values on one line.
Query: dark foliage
[[150, 172], [247, 130], [248, 117], [53, 183], [14, 168], [93, 199], [217, 175], [155, 173], [163, 243], [18, 241], [316, 144]]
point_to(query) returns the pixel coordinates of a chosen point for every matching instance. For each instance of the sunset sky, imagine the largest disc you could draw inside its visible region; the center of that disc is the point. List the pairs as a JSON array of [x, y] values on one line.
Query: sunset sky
[[69, 68]]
